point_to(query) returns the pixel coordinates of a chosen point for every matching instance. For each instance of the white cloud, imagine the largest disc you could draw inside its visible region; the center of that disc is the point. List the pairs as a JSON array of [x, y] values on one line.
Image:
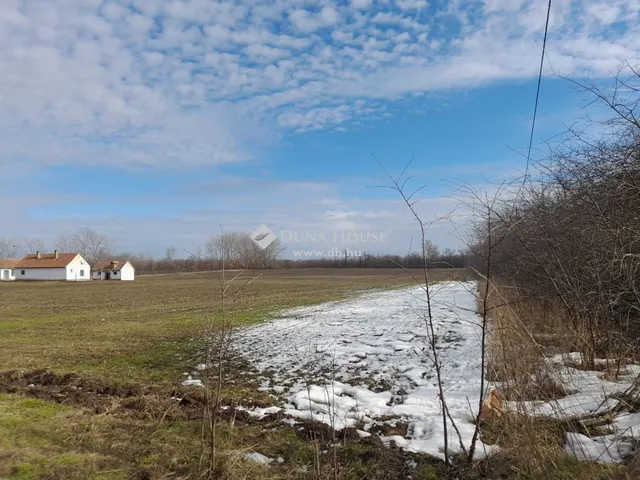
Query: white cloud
[[90, 81], [604, 13], [329, 15], [139, 23], [267, 52], [361, 3], [218, 33], [113, 11], [412, 4], [308, 22]]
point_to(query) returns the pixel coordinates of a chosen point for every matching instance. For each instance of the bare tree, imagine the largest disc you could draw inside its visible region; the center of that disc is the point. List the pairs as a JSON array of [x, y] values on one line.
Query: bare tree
[[170, 253], [399, 185], [33, 244], [237, 250], [93, 246], [224, 247], [8, 248], [431, 252]]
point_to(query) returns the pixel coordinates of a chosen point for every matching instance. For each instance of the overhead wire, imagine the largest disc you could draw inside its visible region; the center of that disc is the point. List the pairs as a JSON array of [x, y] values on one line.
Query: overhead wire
[[535, 108]]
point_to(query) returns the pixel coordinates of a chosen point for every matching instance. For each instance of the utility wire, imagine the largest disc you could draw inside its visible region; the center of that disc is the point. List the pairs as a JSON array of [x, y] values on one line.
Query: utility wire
[[535, 108]]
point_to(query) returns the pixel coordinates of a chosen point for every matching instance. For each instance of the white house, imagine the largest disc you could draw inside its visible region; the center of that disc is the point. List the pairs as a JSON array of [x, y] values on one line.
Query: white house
[[6, 269], [53, 266], [114, 270]]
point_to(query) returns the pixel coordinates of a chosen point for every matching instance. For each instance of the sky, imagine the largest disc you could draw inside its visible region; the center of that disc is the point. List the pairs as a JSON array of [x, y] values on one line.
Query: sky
[[162, 122]]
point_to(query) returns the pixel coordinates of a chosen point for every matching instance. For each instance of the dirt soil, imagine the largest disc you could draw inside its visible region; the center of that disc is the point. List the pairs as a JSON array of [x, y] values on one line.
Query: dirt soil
[[73, 390]]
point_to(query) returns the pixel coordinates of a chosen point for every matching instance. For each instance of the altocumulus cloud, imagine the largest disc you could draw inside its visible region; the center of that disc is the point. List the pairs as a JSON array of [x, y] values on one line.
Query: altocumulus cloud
[[197, 82]]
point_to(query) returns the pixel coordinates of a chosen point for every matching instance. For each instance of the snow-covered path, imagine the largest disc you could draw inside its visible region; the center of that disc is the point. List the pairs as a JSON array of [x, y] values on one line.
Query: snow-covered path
[[366, 361]]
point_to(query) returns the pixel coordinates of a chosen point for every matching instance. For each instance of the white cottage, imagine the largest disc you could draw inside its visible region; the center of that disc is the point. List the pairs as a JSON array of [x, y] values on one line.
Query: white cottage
[[114, 270], [53, 266], [6, 269]]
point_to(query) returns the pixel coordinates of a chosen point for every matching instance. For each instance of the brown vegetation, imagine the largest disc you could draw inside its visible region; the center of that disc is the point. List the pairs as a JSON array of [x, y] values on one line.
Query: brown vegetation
[[564, 251]]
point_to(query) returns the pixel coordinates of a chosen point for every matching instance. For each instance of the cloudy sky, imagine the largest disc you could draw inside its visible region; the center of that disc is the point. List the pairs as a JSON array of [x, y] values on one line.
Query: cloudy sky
[[157, 121]]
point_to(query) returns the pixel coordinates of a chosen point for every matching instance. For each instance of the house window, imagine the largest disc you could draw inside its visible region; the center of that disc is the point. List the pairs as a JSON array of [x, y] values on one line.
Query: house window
[[21, 272], [82, 273], [115, 273], [71, 270], [99, 273]]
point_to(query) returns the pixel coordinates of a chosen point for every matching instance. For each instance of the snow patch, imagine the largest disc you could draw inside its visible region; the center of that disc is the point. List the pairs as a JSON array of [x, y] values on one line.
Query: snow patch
[[359, 362], [256, 457], [191, 382], [590, 394], [259, 413]]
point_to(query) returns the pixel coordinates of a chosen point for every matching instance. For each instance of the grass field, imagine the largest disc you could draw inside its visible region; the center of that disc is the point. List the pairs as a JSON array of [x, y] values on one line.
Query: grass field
[[114, 354]]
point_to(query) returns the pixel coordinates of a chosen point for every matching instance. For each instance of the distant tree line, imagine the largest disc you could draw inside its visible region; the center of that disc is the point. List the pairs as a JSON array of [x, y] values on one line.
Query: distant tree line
[[235, 250], [445, 259], [93, 246], [229, 250]]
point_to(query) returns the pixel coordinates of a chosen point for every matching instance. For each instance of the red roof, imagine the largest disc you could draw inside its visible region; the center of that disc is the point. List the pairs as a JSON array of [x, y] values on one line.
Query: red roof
[[8, 262], [109, 265], [46, 260]]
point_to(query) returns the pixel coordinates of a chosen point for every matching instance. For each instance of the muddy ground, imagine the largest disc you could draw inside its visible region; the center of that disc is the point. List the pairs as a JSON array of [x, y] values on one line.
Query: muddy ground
[[188, 404]]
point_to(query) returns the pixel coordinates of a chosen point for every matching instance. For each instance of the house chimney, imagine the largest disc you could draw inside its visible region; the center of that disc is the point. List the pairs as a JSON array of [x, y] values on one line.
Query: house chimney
[[38, 256], [56, 255]]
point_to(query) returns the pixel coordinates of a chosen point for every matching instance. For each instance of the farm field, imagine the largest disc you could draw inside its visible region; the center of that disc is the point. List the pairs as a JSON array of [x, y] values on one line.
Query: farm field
[[134, 331], [88, 370]]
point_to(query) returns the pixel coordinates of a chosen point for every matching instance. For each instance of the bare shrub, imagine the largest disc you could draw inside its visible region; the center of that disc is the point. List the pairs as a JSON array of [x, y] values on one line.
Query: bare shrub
[[572, 233], [566, 280], [216, 461], [516, 359]]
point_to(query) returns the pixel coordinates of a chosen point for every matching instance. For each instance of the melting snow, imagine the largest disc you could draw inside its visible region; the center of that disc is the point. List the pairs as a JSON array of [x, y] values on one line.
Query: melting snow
[[257, 412], [366, 362], [191, 382], [590, 393], [256, 457], [363, 361]]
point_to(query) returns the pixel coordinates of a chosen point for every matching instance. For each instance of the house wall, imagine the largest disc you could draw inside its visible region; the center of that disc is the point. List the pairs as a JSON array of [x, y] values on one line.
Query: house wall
[[78, 270], [102, 275], [59, 273], [3, 273], [127, 272]]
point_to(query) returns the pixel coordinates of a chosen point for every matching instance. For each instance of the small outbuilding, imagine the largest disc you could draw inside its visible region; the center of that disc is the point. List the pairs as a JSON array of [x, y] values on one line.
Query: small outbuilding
[[7, 266], [70, 267], [114, 270]]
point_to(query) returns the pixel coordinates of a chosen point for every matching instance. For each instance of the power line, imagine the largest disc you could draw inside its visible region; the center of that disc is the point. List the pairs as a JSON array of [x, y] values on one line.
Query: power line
[[535, 108]]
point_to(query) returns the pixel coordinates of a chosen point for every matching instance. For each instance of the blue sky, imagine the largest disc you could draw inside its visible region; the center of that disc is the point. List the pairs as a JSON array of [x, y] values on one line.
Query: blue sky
[[157, 121]]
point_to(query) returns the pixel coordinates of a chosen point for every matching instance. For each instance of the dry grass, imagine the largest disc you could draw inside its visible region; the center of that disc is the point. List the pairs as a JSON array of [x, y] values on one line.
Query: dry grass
[[531, 447], [516, 354]]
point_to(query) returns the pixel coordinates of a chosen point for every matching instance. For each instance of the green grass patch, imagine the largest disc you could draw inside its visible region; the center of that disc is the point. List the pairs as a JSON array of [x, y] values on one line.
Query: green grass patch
[[34, 441]]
